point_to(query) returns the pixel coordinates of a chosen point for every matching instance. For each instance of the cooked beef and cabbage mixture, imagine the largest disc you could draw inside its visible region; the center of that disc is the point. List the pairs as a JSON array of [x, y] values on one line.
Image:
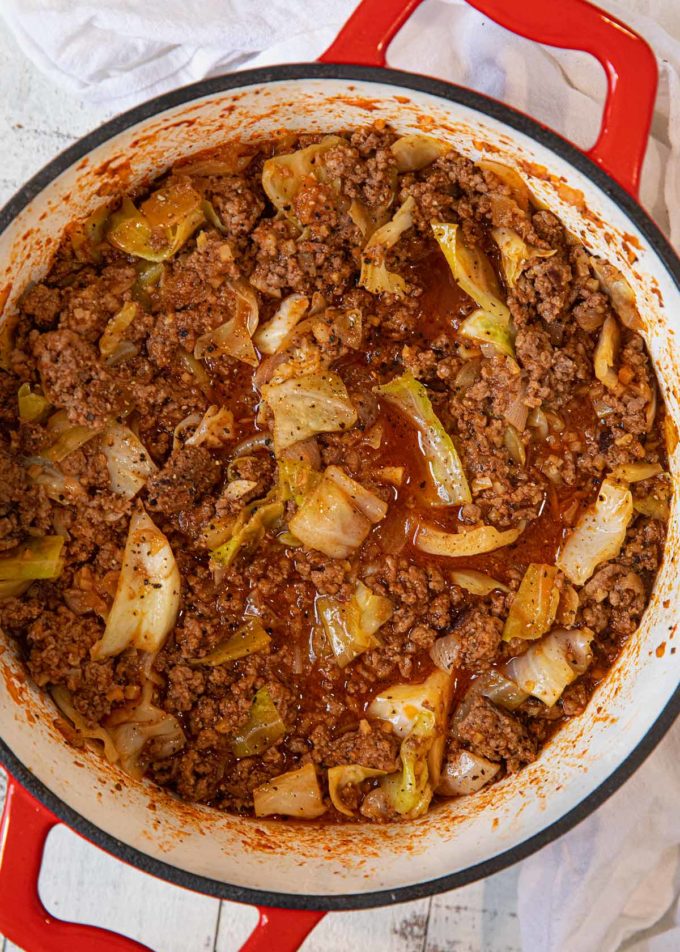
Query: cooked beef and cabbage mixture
[[333, 477]]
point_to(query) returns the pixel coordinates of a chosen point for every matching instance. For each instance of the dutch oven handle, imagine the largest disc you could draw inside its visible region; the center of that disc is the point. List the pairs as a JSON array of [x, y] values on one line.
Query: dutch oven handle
[[571, 24], [25, 921]]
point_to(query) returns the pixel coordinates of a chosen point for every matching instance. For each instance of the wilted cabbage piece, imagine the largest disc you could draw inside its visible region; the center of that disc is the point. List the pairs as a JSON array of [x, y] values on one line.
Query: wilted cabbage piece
[[472, 270], [249, 639], [535, 604], [114, 332], [606, 354], [619, 292], [33, 407], [599, 533], [410, 791], [351, 625], [214, 429], [435, 541], [477, 583], [262, 729], [374, 274], [305, 406], [131, 729], [296, 793], [12, 588], [549, 665], [635, 472], [249, 529], [147, 597], [296, 479], [495, 685], [65, 437], [234, 337], [127, 460], [516, 253], [348, 775], [87, 236], [38, 557], [518, 188], [270, 336], [411, 398], [284, 175], [157, 231], [64, 701], [466, 773], [489, 329], [414, 152], [337, 516]]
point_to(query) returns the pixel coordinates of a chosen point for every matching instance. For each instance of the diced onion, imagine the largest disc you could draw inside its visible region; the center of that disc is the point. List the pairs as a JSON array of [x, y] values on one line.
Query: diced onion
[[445, 652], [296, 793], [466, 773], [435, 541], [549, 665]]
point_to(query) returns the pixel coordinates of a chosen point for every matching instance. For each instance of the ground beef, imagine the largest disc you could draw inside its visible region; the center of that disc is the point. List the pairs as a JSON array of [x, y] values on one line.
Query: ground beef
[[189, 474], [495, 734]]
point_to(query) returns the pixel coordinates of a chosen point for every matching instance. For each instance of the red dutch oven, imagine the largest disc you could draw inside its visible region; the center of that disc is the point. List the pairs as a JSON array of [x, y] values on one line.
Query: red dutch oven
[[294, 872]]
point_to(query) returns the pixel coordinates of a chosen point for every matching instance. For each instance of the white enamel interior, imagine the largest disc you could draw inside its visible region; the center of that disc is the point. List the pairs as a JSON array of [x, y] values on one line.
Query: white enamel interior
[[335, 860]]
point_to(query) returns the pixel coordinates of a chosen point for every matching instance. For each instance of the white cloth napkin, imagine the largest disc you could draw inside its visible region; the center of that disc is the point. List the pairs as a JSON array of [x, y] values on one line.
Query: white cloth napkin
[[613, 882]]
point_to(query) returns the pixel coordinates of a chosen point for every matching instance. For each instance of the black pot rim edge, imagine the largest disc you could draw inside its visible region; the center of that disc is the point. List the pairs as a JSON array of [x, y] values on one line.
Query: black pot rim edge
[[659, 245]]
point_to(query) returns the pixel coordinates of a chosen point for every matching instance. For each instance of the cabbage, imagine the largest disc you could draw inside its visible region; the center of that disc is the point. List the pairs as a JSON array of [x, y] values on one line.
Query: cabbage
[[408, 706], [262, 729], [435, 541], [66, 437], [173, 212], [598, 534], [334, 521], [234, 337], [368, 219], [635, 472], [549, 665], [127, 459], [477, 583], [374, 274], [284, 175], [409, 792], [38, 557], [269, 338], [296, 479], [472, 271], [489, 329], [619, 292], [131, 729], [515, 253], [305, 406], [64, 701], [348, 775], [58, 487], [87, 235], [499, 689], [446, 469], [115, 329], [33, 407], [351, 626], [249, 529], [147, 597], [510, 177], [534, 606], [214, 429], [466, 773], [445, 652], [606, 352], [227, 159], [12, 588], [296, 793], [414, 152], [249, 639]]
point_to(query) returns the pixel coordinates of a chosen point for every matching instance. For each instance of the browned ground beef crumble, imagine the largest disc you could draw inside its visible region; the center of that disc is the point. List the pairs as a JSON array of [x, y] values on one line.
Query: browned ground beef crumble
[[558, 308]]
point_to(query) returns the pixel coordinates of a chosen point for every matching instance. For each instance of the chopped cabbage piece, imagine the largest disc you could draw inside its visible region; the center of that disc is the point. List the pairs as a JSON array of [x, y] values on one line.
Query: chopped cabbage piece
[[173, 212], [215, 428], [499, 689], [348, 775], [435, 541], [477, 583], [249, 529], [510, 177], [472, 270], [147, 597], [635, 472], [66, 437], [368, 219], [466, 773], [619, 293], [351, 626], [249, 639], [284, 175], [549, 665], [535, 604], [127, 460], [262, 729], [38, 557], [410, 397], [33, 407], [598, 534], [12, 588], [296, 793], [605, 355], [489, 329], [114, 331], [64, 701], [413, 152], [297, 478], [270, 336], [333, 521], [374, 274], [234, 337], [87, 236], [516, 253], [445, 652], [410, 791], [131, 729], [305, 406]]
